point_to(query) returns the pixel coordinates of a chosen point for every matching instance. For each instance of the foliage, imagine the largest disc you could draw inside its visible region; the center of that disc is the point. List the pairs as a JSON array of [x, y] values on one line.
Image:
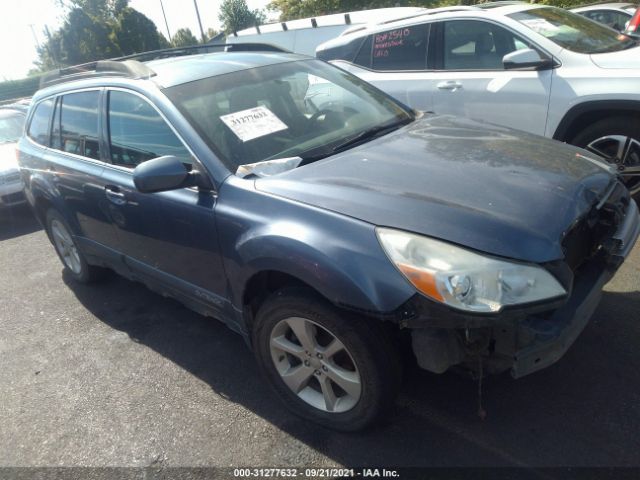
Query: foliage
[[210, 33], [95, 30], [19, 88], [183, 38], [135, 33], [235, 15]]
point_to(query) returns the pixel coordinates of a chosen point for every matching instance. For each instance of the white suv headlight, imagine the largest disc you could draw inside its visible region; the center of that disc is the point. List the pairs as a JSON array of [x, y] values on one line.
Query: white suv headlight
[[464, 279]]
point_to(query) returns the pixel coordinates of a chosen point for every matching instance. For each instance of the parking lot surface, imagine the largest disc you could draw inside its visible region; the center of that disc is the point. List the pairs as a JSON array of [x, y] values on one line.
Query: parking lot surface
[[115, 375]]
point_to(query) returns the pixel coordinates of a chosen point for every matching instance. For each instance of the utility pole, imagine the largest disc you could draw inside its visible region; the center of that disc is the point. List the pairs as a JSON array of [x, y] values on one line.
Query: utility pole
[[195, 4], [166, 24], [35, 37]]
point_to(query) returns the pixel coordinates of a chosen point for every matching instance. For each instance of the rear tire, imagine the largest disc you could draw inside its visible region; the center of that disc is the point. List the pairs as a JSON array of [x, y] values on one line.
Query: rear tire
[[341, 373], [617, 139], [72, 258]]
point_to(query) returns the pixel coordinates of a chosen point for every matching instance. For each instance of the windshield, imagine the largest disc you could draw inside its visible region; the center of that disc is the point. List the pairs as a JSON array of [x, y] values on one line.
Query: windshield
[[573, 32], [11, 124], [302, 108]]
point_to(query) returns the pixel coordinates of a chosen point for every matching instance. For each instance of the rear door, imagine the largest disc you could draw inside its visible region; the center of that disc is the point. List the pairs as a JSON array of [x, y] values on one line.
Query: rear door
[[75, 164], [167, 237], [470, 79]]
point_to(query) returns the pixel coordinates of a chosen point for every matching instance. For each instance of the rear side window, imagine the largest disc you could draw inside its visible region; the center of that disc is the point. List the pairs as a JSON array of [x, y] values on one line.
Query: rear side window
[[138, 133], [39, 126], [78, 131], [401, 49]]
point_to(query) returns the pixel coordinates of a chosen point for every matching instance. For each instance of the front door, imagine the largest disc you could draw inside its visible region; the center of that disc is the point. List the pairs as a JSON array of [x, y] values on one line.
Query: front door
[[167, 237], [470, 79]]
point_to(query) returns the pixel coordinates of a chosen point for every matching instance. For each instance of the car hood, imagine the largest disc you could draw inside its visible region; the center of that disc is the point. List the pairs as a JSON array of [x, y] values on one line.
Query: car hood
[[490, 189], [624, 59], [8, 159]]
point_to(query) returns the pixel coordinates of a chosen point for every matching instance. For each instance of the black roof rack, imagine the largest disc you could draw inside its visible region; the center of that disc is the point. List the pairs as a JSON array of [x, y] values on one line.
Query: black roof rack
[[206, 48], [126, 68], [131, 66]]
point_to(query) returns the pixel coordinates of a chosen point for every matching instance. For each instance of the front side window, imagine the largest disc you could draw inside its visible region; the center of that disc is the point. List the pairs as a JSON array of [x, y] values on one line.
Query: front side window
[[476, 45], [39, 126], [138, 133], [303, 108], [403, 48], [573, 31], [78, 131], [11, 124]]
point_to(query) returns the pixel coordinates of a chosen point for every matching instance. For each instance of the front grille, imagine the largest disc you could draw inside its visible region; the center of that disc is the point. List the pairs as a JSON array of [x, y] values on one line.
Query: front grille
[[596, 230]]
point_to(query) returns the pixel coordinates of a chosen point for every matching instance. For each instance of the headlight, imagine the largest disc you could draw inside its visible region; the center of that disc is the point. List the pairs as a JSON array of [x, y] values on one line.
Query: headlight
[[463, 279]]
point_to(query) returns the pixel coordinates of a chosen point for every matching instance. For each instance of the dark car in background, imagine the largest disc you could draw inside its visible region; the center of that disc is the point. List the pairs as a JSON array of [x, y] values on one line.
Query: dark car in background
[[331, 233], [12, 117]]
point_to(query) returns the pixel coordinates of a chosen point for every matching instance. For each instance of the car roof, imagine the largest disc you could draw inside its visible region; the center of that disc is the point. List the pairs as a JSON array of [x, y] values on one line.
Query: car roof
[[178, 70], [171, 71]]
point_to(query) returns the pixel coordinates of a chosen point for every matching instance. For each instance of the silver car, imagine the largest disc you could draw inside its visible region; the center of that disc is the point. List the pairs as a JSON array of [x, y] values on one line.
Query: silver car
[[11, 124]]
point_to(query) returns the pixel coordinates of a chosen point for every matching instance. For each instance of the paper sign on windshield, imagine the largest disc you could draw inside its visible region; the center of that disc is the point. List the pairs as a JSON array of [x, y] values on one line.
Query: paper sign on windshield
[[253, 123]]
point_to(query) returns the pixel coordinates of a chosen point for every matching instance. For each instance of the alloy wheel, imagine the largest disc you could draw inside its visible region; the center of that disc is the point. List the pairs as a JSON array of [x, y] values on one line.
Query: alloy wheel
[[624, 152], [315, 365], [66, 247]]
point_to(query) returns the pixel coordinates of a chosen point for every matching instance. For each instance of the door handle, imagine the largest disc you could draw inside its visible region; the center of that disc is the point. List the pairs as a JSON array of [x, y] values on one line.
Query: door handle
[[451, 85], [114, 195]]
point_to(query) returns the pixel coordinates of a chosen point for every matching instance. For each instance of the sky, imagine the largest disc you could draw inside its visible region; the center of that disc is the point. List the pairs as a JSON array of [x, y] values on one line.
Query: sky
[[22, 23]]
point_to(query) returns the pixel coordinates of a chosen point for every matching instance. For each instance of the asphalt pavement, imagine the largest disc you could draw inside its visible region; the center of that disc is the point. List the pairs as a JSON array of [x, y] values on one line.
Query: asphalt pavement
[[115, 375]]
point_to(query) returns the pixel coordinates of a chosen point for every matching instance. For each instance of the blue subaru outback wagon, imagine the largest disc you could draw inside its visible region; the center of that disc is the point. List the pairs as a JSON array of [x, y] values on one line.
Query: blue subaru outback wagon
[[325, 222]]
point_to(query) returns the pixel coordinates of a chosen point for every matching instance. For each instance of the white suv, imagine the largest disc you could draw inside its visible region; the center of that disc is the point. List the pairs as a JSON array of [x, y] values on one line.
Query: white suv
[[535, 68]]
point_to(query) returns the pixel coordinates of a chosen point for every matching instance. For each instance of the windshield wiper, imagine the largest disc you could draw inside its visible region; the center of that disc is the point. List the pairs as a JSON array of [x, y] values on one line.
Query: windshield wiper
[[369, 133]]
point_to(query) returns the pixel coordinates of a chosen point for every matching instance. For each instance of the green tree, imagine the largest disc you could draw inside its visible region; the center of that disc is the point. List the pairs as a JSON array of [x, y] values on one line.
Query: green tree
[[84, 38], [135, 33], [211, 32], [183, 38], [95, 30], [235, 15]]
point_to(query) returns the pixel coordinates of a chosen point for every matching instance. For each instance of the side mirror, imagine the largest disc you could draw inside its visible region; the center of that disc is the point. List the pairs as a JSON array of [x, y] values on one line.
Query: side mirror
[[162, 174], [526, 58]]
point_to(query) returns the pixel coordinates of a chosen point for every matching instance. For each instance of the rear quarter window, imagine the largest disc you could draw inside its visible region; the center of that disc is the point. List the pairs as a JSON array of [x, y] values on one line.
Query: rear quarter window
[[38, 130], [346, 52], [403, 48]]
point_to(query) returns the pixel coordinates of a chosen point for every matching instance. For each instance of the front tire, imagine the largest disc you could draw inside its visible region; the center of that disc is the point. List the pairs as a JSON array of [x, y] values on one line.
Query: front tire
[[328, 366], [66, 248], [617, 139]]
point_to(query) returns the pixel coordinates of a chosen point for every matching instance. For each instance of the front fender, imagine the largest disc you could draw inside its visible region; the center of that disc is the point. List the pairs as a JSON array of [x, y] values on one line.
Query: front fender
[[338, 256]]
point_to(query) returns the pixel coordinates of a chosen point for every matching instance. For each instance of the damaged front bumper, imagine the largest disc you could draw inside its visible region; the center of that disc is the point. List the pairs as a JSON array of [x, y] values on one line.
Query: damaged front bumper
[[522, 340]]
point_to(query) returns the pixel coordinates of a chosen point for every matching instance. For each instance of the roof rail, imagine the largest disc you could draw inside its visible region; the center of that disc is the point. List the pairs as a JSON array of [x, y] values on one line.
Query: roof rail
[[432, 11], [500, 3], [206, 48], [131, 66], [127, 68]]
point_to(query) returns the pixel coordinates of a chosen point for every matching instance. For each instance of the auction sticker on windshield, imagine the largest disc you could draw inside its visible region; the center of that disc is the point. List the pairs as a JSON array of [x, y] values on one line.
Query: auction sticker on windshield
[[253, 123]]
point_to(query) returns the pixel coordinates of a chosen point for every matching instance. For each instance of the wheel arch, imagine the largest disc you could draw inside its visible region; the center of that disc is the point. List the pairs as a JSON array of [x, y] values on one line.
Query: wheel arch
[[581, 115], [272, 263]]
